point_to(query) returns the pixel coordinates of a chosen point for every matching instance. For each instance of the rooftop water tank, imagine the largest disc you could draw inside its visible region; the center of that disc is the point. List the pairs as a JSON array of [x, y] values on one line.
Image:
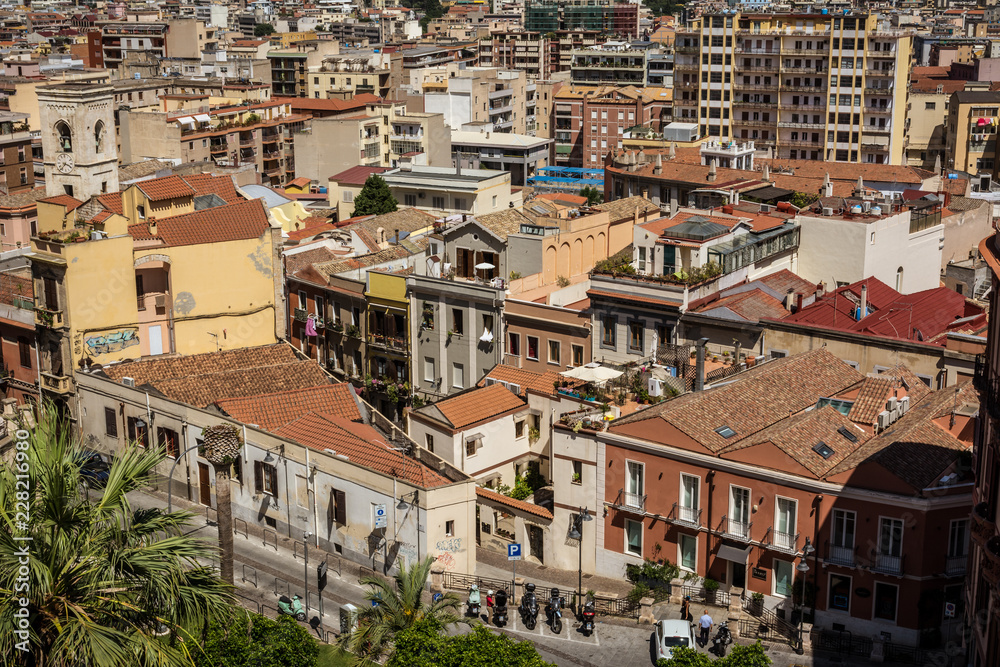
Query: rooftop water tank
[[855, 209], [876, 210]]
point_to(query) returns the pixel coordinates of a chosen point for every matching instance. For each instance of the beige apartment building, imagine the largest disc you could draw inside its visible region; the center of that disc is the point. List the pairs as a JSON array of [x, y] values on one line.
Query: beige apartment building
[[970, 133], [347, 74], [809, 86], [479, 95]]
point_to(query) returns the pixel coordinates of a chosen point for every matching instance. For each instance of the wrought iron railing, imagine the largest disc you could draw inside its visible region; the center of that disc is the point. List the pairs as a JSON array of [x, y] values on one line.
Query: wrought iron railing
[[686, 515], [843, 643], [839, 555], [457, 581], [781, 541], [955, 565], [887, 563], [764, 624]]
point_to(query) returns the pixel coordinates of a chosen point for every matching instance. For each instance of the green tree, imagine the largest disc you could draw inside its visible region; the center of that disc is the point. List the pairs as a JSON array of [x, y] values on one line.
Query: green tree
[[432, 9], [662, 7], [401, 605], [593, 195], [263, 30], [424, 645], [104, 578], [802, 199], [250, 640], [740, 656], [685, 657], [374, 198]]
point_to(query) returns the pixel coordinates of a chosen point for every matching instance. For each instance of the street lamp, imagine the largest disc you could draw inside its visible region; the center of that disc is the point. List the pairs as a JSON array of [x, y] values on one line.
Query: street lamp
[[803, 568], [305, 577], [576, 533]]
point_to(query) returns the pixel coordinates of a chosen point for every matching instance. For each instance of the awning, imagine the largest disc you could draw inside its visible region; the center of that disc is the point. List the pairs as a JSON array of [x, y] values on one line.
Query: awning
[[734, 554], [186, 120], [202, 118]]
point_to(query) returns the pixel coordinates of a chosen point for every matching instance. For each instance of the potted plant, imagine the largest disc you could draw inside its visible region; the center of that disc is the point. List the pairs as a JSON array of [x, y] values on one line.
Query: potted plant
[[576, 478], [711, 587], [756, 603]]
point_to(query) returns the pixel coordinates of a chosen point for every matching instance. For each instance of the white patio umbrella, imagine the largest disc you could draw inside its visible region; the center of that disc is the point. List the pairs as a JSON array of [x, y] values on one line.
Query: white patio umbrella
[[592, 372], [483, 266]]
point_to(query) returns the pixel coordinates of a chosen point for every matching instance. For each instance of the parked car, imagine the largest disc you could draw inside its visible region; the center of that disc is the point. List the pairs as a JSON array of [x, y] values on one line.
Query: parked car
[[670, 635], [93, 469]]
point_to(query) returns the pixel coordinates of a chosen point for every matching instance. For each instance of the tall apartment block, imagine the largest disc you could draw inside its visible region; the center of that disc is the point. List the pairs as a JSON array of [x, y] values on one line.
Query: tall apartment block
[[809, 86], [607, 16]]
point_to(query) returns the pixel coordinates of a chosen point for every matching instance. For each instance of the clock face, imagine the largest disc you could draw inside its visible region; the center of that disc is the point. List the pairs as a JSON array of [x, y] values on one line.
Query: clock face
[[64, 162]]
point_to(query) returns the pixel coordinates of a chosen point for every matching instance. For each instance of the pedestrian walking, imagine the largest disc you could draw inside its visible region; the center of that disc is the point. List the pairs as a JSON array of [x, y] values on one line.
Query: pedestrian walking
[[706, 628]]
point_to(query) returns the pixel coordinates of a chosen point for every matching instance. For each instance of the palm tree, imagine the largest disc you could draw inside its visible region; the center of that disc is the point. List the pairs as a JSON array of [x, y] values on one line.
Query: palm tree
[[399, 607], [222, 446], [103, 578]]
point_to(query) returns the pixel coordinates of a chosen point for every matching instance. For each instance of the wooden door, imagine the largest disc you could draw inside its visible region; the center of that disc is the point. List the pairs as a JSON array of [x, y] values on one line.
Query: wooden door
[[204, 485]]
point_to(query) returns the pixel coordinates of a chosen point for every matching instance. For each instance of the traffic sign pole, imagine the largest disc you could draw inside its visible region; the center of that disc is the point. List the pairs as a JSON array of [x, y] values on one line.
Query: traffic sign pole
[[513, 555]]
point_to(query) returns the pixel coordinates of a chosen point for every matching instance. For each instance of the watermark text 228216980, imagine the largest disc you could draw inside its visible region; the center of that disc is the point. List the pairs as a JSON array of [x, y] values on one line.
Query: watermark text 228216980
[[22, 533]]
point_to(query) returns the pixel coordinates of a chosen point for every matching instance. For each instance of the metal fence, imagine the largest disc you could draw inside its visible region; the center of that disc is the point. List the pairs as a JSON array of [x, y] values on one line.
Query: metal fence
[[907, 654], [843, 643], [457, 581], [616, 607], [719, 598], [764, 624]]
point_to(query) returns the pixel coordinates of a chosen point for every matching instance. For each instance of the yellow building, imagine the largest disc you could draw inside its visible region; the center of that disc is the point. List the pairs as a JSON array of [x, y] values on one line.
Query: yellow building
[[970, 132], [810, 86], [169, 266], [388, 344], [282, 40]]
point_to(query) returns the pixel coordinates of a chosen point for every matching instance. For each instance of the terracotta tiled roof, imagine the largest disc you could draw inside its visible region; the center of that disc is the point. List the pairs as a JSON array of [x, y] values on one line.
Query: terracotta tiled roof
[[784, 280], [202, 379], [372, 259], [475, 406], [272, 411], [297, 261], [112, 201], [233, 222], [130, 172], [915, 388], [503, 223], [70, 203], [530, 508], [870, 400], [300, 182], [361, 444], [750, 306], [168, 187], [223, 186], [357, 175], [625, 208], [539, 382]]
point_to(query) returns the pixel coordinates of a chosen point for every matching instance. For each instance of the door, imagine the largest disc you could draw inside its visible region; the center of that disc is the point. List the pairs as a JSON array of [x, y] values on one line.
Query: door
[[739, 578], [633, 488], [535, 542], [204, 486], [739, 512], [156, 339], [784, 533]]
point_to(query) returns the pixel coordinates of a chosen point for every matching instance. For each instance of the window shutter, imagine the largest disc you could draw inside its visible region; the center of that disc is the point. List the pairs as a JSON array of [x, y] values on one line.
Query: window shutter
[[110, 422], [340, 507], [460, 257], [273, 472], [258, 476]]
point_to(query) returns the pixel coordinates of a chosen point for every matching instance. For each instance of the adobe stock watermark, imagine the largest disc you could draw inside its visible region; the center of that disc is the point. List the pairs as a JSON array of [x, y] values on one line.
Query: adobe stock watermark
[[22, 527]]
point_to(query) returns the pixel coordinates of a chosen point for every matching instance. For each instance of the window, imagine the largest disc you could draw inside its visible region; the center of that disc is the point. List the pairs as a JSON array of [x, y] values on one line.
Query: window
[[577, 472], [886, 597], [514, 345], [339, 507], [840, 593], [533, 348], [578, 355], [634, 482], [642, 258], [739, 511], [784, 523], [554, 351], [449, 528], [110, 422], [494, 201], [635, 336], [782, 585], [842, 537], [138, 431], [725, 432], [930, 106], [167, 439], [899, 279], [303, 301], [408, 200], [24, 351], [687, 552], [608, 335], [890, 539], [958, 539], [430, 371], [633, 537], [141, 210], [688, 506], [437, 202], [457, 321], [265, 478], [460, 204], [458, 376], [519, 428], [472, 445]]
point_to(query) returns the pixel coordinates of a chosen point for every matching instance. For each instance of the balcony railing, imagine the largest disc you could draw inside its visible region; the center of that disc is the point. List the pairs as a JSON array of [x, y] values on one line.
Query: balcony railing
[[954, 566], [736, 530], [57, 384], [887, 563], [388, 342], [690, 516], [988, 384], [630, 501], [776, 539], [838, 555], [52, 319]]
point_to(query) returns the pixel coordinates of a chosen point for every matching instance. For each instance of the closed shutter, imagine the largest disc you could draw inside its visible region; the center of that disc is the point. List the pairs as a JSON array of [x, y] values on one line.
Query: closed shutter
[[460, 256], [340, 507], [110, 422], [272, 471], [258, 476]]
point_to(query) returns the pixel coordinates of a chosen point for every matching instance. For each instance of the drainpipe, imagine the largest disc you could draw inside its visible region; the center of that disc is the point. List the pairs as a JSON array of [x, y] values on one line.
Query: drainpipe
[[710, 478], [818, 504]]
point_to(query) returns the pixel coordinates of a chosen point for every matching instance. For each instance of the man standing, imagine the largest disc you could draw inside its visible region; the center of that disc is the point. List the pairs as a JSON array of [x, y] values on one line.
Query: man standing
[[706, 628]]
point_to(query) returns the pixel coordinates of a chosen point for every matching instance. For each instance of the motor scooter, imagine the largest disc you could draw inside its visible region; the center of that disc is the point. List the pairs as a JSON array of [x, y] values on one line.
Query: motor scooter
[[500, 609], [474, 600], [721, 639], [553, 611], [292, 607], [588, 617], [529, 607]]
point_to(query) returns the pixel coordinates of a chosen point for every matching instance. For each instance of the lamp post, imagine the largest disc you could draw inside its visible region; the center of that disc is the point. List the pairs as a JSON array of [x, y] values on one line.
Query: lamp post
[[305, 577], [803, 568], [576, 533]]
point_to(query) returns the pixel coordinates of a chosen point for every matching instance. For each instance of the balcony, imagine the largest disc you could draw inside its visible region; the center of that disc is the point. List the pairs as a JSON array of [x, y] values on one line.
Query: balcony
[[246, 142], [887, 564], [687, 49], [837, 555], [687, 516], [779, 541], [57, 384], [756, 86], [876, 129], [879, 90], [300, 315], [52, 319], [756, 68], [735, 530], [773, 51], [219, 148], [632, 502], [271, 138], [954, 566], [988, 384], [801, 124], [877, 110], [880, 71], [387, 342], [754, 104], [804, 69]]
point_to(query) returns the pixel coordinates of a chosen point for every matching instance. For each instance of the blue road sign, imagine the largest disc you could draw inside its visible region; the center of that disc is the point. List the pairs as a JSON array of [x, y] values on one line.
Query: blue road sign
[[513, 552]]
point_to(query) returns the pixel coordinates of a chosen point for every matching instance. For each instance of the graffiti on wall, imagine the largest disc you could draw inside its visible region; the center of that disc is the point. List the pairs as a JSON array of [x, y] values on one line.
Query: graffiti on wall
[[446, 560], [112, 342], [453, 545]]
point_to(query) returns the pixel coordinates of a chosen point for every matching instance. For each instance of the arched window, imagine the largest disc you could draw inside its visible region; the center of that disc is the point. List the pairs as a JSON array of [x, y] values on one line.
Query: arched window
[[899, 279], [99, 135], [65, 137]]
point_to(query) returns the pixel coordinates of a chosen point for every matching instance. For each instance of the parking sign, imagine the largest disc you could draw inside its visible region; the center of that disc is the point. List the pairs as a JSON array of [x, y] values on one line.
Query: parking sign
[[381, 519], [513, 552]]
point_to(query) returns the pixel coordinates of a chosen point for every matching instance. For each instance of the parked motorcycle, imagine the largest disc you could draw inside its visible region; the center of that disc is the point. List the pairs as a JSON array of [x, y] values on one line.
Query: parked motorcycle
[[529, 607], [474, 600], [292, 607], [500, 609], [553, 611], [722, 639], [588, 617]]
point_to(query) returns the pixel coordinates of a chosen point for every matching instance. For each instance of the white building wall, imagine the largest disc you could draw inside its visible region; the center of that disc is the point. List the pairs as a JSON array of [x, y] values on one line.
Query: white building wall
[[833, 250]]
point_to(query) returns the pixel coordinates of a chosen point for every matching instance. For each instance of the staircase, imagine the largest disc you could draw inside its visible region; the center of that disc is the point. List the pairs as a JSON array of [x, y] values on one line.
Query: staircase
[[984, 288]]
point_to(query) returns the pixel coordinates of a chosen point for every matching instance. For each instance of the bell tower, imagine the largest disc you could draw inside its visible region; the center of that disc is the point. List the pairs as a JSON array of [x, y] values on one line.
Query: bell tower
[[78, 139]]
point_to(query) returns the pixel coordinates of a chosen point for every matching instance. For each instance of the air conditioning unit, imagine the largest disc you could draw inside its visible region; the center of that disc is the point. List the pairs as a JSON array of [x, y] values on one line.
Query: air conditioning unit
[[893, 416], [516, 388], [891, 404], [161, 301], [883, 420], [128, 382], [827, 210], [904, 405]]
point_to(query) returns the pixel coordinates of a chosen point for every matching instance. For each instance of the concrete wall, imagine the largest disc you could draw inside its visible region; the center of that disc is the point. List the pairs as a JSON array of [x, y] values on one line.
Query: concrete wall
[[963, 231]]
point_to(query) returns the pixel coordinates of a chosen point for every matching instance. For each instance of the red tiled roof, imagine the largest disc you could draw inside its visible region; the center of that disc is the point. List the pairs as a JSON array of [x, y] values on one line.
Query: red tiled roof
[[357, 175], [870, 400], [300, 182], [168, 187], [297, 261], [70, 203], [360, 444], [784, 280], [232, 222], [307, 104], [204, 184], [112, 201], [751, 305], [525, 379], [477, 405], [513, 503], [272, 411]]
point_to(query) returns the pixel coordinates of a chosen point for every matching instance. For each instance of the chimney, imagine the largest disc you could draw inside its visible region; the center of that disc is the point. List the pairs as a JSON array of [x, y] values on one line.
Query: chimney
[[827, 186], [737, 348], [699, 381], [397, 236], [937, 164], [820, 291], [711, 171], [790, 300], [798, 302], [859, 189], [458, 166], [658, 169], [673, 150], [863, 309], [151, 224], [766, 173]]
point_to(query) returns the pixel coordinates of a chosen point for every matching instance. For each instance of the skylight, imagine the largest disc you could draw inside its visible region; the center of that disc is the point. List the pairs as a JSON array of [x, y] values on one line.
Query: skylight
[[841, 406], [844, 431], [725, 432], [823, 449]]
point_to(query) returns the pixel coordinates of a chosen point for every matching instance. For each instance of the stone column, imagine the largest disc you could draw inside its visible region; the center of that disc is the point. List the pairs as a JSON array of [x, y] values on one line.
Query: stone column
[[646, 611], [437, 578], [677, 591]]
